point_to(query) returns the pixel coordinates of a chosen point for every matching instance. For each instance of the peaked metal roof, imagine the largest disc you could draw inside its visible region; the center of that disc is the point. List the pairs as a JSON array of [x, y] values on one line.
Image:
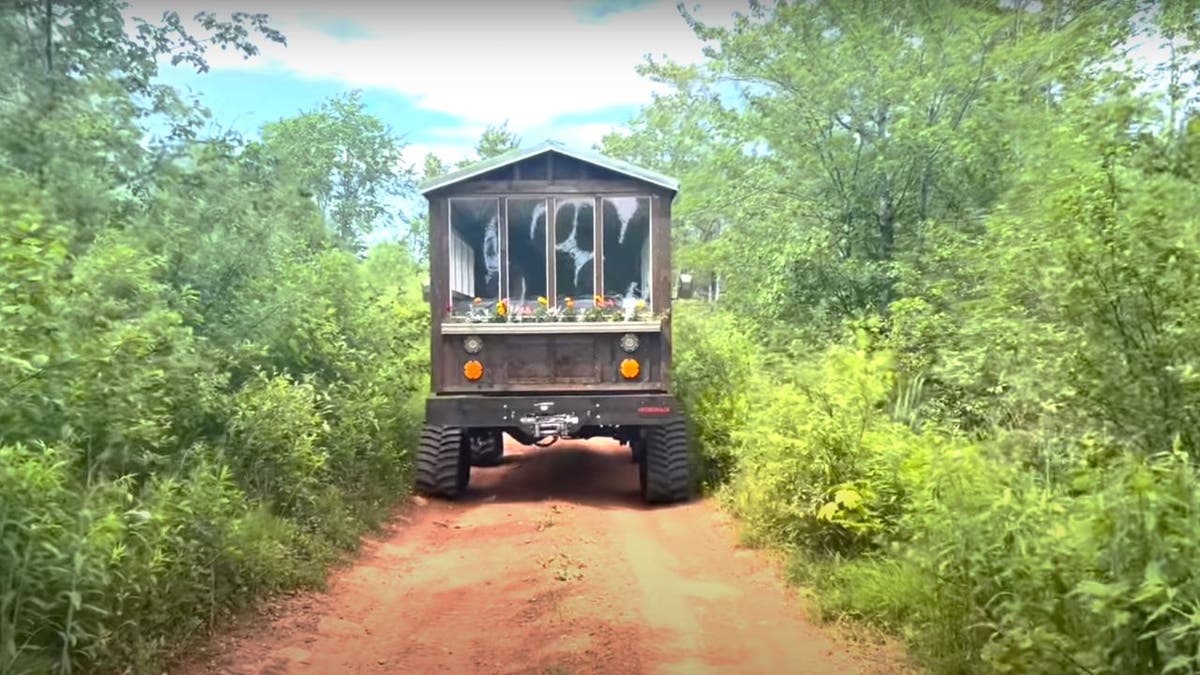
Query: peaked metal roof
[[517, 154]]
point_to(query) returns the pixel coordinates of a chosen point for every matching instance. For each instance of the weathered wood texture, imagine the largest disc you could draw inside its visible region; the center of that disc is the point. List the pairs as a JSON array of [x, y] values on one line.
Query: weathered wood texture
[[533, 362]]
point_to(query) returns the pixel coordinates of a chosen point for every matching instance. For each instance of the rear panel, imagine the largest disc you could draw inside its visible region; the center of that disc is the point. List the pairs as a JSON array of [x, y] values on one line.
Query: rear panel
[[528, 362]]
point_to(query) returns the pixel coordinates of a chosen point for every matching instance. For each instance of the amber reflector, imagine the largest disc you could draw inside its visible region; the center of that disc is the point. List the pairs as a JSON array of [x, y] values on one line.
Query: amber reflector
[[473, 370], [630, 369]]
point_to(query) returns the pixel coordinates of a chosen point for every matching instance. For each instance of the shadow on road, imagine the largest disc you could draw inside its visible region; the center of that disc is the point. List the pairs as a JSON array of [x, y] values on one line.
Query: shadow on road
[[596, 472]]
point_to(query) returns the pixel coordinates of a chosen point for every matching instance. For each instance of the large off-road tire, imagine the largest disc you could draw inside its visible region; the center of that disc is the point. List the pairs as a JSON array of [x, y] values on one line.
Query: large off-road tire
[[664, 468], [443, 462], [487, 448]]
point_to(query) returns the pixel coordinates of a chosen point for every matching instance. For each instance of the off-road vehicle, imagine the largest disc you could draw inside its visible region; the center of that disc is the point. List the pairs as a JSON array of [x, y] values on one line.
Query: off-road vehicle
[[550, 298]]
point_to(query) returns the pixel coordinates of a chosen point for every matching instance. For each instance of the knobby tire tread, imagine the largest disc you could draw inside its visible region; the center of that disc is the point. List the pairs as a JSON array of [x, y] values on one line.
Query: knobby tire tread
[[667, 476], [440, 462]]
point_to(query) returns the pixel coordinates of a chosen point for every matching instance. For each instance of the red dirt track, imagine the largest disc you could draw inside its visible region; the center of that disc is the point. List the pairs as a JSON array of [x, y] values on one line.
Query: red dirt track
[[550, 565]]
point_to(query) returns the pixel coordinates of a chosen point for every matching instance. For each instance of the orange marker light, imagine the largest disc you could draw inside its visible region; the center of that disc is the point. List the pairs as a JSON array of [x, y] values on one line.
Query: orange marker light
[[473, 370], [630, 368]]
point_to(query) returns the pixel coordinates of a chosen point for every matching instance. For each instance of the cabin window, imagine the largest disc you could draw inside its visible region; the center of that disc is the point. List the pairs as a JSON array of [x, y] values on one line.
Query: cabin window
[[474, 251], [626, 248], [574, 249], [502, 247], [526, 267]]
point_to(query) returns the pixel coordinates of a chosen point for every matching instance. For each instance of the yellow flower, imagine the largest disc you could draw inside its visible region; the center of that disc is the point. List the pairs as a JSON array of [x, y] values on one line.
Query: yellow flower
[[543, 301], [599, 299], [501, 308], [569, 303], [641, 304]]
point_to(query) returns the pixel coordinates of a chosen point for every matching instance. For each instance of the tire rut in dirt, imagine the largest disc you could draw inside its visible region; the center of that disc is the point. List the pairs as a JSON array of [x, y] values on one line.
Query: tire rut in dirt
[[665, 475], [443, 464]]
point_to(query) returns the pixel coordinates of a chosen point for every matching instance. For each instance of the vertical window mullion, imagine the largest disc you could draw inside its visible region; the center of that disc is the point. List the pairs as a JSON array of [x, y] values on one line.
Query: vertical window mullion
[[502, 281], [598, 246], [551, 241]]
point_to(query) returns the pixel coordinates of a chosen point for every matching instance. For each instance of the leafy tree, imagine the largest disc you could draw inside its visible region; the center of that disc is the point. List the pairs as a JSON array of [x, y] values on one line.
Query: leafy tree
[[347, 160], [77, 86], [845, 130], [433, 167], [496, 140]]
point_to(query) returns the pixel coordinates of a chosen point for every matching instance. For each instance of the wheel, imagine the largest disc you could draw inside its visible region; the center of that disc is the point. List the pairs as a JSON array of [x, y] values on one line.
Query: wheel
[[663, 470], [487, 448], [443, 462]]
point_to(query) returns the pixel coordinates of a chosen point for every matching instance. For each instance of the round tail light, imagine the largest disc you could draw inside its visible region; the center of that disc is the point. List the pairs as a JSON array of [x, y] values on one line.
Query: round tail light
[[473, 370]]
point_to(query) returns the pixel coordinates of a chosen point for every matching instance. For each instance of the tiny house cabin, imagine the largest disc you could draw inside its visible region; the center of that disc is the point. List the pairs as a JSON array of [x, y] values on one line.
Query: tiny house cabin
[[551, 305], [550, 267]]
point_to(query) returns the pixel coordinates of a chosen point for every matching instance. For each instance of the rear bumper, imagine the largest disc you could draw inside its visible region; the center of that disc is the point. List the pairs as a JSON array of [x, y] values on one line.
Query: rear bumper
[[578, 410]]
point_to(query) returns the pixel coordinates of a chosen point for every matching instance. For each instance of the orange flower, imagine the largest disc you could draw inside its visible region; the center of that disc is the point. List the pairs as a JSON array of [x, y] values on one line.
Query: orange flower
[[478, 301], [569, 303]]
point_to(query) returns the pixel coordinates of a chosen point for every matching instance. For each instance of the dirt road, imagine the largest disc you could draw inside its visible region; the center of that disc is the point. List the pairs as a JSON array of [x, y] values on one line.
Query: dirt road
[[551, 565]]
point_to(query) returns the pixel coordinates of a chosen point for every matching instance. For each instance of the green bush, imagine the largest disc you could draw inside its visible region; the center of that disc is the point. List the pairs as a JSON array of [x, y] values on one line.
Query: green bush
[[823, 465], [714, 371], [156, 473], [985, 563]]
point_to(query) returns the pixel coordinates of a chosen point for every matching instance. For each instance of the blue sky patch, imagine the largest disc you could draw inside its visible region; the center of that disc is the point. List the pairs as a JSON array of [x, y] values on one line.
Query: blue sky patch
[[600, 10]]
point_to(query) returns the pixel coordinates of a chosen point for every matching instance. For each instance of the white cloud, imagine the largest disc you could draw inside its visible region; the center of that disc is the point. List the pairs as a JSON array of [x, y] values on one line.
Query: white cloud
[[450, 153], [527, 62], [583, 135], [453, 147]]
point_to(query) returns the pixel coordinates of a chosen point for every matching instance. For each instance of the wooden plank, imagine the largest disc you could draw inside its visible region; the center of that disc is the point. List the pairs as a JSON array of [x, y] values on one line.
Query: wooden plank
[[549, 328], [576, 359], [628, 187], [551, 388], [439, 282], [661, 269], [529, 360], [660, 245]]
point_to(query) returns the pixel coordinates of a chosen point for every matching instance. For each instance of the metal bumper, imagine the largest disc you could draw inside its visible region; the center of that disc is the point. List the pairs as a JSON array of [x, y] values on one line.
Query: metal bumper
[[552, 414]]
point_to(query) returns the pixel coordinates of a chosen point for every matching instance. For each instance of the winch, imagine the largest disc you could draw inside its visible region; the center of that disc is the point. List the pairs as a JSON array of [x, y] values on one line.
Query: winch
[[544, 423]]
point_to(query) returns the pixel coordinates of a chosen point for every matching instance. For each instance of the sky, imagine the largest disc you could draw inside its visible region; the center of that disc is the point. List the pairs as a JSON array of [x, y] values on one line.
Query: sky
[[438, 72]]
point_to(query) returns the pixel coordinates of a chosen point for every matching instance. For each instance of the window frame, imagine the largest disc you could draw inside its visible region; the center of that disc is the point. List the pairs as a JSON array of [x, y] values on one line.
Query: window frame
[[552, 199], [450, 236]]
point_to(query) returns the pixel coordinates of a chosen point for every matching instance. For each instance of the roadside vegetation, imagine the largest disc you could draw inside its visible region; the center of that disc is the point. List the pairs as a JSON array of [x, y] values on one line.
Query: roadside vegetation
[[949, 357], [209, 383]]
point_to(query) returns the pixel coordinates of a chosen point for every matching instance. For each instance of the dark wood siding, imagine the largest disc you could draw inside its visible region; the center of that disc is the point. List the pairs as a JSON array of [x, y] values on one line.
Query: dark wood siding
[[539, 362], [439, 281]]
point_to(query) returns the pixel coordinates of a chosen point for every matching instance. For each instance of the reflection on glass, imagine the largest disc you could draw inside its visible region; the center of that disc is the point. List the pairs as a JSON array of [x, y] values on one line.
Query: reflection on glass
[[574, 245], [626, 249], [526, 252], [474, 251]]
